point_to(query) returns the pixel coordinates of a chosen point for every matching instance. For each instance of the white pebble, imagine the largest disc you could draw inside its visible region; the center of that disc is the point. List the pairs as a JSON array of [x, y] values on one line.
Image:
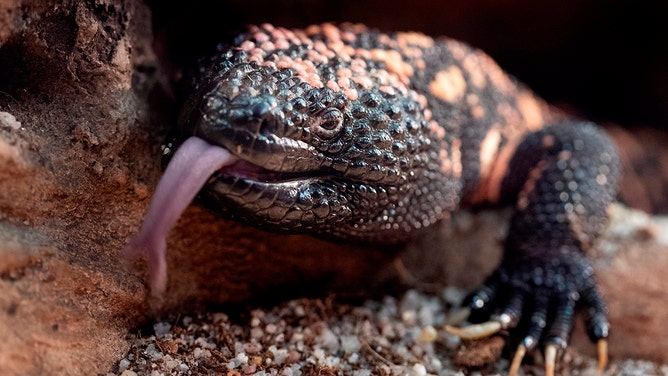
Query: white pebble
[[200, 353], [411, 300], [270, 328], [419, 370], [242, 358], [252, 347], [319, 355], [256, 333], [332, 361], [350, 344], [299, 311], [386, 330], [452, 342], [436, 364], [219, 317], [408, 317], [426, 314], [161, 328], [297, 337], [294, 370], [8, 120], [170, 364], [250, 369], [328, 339], [232, 364], [280, 355], [123, 365], [362, 372], [201, 342], [152, 352], [453, 295]]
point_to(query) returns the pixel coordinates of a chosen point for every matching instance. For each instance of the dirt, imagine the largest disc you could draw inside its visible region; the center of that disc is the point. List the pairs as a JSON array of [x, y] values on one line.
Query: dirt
[[85, 104]]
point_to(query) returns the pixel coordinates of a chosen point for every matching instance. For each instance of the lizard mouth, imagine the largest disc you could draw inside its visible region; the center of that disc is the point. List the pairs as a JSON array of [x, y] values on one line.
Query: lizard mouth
[[242, 169], [195, 164]]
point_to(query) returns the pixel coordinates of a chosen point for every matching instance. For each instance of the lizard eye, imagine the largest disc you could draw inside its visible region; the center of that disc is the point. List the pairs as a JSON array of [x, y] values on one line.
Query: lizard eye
[[329, 124]]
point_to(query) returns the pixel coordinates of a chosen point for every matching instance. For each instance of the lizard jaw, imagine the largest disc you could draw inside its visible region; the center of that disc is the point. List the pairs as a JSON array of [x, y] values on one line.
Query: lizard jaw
[[242, 169]]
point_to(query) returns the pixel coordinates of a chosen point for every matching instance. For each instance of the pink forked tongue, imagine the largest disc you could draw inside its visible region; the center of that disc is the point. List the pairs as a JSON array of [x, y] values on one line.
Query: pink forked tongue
[[192, 165]]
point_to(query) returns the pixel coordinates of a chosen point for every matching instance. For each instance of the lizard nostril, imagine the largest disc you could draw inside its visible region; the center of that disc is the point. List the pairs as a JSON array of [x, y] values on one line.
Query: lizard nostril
[[260, 109], [268, 126]]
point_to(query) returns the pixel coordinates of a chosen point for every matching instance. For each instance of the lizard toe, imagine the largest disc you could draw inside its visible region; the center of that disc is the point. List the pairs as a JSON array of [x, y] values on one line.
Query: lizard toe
[[537, 301]]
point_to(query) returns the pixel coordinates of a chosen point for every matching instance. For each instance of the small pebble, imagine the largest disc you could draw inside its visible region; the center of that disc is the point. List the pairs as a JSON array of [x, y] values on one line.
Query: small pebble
[[280, 355], [161, 328], [256, 333], [270, 328], [250, 369], [328, 339], [242, 358], [408, 317], [350, 344], [152, 352], [123, 365], [8, 120], [419, 370], [170, 364], [219, 317], [428, 334]]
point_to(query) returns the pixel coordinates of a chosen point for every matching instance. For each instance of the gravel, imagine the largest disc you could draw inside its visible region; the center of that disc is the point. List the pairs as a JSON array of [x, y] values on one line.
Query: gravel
[[391, 336]]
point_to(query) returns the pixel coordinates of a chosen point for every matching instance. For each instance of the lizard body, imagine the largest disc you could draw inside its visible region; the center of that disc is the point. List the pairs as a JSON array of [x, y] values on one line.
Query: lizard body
[[349, 133]]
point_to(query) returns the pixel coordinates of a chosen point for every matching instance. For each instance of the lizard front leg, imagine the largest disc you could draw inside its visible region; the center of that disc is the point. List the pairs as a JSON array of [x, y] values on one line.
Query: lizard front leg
[[562, 179]]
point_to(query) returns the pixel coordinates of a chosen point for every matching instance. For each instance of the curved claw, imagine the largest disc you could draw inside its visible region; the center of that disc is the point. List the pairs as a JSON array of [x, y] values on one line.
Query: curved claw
[[517, 360], [550, 359], [458, 317], [602, 346], [476, 331]]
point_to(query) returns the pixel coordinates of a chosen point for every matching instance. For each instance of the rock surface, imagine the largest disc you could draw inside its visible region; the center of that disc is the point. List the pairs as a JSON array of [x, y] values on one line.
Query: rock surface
[[84, 108]]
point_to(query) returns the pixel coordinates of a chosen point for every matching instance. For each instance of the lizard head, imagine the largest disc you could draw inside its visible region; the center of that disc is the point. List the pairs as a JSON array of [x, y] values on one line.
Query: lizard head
[[314, 131], [310, 156]]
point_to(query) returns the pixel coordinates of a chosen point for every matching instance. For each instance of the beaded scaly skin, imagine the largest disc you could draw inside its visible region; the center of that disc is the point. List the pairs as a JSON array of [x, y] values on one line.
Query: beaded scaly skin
[[346, 132]]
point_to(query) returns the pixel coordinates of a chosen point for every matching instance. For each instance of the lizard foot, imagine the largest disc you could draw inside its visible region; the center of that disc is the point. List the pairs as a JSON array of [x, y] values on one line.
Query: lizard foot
[[537, 300]]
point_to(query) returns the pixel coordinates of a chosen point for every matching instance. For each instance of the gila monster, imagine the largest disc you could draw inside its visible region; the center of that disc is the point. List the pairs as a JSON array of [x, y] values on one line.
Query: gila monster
[[346, 132]]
